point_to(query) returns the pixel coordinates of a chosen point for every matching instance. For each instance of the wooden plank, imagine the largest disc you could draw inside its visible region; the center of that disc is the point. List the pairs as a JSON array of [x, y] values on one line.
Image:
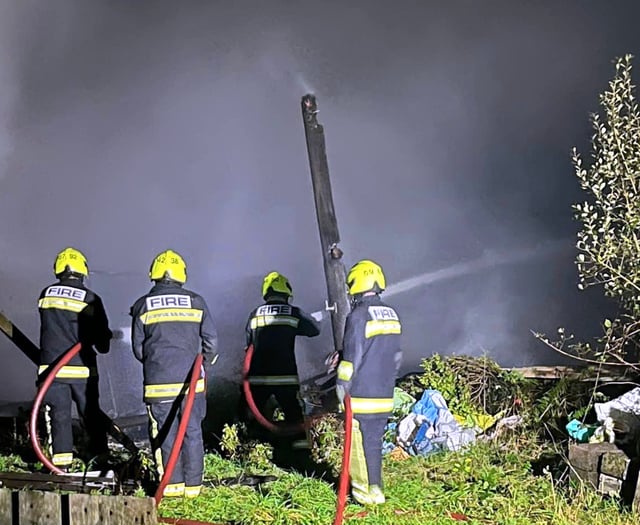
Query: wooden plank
[[41, 481], [38, 508], [139, 511], [84, 477], [558, 372], [114, 510], [5, 507], [83, 509], [87, 509]]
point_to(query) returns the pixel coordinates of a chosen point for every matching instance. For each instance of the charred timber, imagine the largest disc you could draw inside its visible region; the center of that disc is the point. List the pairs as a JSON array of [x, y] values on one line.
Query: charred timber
[[338, 303], [18, 338], [28, 348]]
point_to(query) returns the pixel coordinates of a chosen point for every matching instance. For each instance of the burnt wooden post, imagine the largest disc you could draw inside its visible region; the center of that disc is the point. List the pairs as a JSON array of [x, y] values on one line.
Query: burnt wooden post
[[338, 303], [28, 348], [18, 338]]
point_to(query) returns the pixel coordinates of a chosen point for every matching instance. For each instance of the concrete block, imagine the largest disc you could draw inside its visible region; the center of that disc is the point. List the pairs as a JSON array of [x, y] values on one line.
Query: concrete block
[[589, 477], [586, 456], [615, 463], [609, 485]]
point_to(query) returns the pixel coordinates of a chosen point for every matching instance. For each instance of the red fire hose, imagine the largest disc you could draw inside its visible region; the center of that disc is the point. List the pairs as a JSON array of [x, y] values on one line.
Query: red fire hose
[[35, 409], [182, 429], [343, 484], [269, 425], [184, 521], [173, 457]]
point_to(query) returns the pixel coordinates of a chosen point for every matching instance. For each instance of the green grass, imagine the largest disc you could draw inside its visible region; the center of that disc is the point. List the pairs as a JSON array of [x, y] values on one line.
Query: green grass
[[488, 484]]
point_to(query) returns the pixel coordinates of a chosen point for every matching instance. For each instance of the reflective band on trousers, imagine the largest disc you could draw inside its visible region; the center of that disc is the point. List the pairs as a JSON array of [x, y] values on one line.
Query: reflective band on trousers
[[345, 370], [273, 380], [192, 492], [171, 389], [371, 405], [70, 305], [70, 372], [62, 459], [374, 328], [270, 320], [173, 489], [164, 315]]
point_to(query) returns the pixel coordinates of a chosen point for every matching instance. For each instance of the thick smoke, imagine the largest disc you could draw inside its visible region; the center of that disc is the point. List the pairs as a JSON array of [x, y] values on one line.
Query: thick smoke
[[7, 85], [130, 127]]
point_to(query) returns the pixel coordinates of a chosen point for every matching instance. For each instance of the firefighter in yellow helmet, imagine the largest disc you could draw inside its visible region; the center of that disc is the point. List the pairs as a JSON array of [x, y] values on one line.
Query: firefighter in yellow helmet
[[272, 329], [71, 313], [367, 372], [170, 327]]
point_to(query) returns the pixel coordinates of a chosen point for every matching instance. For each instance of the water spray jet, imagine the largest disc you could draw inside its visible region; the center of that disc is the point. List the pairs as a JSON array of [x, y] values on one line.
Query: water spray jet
[[487, 261]]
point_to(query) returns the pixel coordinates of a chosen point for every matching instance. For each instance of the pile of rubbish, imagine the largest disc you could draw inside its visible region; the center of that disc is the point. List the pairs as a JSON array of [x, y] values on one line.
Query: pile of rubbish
[[618, 421], [426, 425], [455, 401]]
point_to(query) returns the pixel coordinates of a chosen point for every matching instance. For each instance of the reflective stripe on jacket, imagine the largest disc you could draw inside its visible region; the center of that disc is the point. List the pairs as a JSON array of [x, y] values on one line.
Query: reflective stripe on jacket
[[372, 356], [170, 326], [71, 313], [272, 329]]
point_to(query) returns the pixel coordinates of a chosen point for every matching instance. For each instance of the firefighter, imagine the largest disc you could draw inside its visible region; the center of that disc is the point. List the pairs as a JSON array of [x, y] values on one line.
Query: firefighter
[[170, 327], [272, 329], [71, 313], [367, 372]]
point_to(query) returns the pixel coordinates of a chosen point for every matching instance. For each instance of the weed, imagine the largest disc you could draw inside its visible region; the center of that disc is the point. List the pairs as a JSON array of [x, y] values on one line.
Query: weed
[[230, 442], [489, 482]]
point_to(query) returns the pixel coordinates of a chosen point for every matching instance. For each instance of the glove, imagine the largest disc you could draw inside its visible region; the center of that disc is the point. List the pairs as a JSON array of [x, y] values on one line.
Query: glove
[[340, 394], [331, 362]]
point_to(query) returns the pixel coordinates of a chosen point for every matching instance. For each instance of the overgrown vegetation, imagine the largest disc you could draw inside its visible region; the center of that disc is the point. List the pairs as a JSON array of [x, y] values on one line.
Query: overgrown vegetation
[[477, 385], [609, 240], [488, 483], [509, 479]]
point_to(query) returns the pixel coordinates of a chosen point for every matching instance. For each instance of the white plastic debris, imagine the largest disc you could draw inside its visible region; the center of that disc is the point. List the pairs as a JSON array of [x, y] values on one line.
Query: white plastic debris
[[628, 403], [623, 412]]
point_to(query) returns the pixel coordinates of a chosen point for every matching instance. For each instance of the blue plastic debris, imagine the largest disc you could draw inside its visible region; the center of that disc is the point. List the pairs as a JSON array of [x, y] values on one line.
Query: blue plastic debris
[[579, 431]]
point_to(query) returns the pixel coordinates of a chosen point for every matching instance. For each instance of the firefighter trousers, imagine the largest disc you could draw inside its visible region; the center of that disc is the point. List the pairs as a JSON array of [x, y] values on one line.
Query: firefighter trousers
[[286, 396], [59, 398], [164, 419], [366, 450]]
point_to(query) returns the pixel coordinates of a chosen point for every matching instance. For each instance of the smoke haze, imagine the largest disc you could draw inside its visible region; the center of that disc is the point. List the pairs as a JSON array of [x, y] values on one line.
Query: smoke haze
[[130, 127]]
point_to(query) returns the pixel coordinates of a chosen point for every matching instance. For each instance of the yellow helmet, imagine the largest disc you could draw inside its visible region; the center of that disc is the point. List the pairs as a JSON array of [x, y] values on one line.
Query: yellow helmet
[[168, 265], [365, 276], [70, 260], [276, 282]]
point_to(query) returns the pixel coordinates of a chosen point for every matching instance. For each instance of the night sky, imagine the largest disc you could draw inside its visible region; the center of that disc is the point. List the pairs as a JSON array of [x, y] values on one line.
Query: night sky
[[130, 127]]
